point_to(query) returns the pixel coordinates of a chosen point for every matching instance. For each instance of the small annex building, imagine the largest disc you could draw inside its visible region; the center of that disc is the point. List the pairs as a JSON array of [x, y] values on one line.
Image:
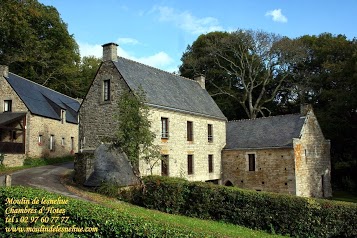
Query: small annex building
[[282, 154], [35, 121], [189, 126]]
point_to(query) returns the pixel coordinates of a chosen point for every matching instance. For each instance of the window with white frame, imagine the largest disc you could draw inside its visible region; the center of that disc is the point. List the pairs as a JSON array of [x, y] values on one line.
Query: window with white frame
[[52, 143], [164, 128], [7, 105]]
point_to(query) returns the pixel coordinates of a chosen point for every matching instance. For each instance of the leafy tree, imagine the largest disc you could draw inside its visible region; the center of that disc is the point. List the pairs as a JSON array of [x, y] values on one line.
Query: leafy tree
[[251, 66], [133, 135], [35, 43], [327, 79], [86, 73]]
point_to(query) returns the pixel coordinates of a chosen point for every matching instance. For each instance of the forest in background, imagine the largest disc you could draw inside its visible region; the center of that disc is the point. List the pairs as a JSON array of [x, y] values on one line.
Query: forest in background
[[249, 73]]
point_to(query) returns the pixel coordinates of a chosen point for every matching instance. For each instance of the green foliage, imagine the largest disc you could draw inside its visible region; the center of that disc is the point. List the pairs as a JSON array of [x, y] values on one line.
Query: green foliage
[[35, 44], [133, 135], [282, 214], [246, 67], [110, 223]]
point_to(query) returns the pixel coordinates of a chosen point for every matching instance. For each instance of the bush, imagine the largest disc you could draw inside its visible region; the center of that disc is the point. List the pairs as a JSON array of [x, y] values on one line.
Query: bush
[[109, 222], [283, 214]]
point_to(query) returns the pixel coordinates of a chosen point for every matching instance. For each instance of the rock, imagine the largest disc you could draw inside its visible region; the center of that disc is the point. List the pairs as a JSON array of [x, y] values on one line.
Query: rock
[[110, 165]]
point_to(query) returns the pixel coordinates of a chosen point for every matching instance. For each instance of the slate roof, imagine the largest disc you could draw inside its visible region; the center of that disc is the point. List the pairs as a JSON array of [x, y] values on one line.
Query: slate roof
[[9, 117], [168, 90], [267, 132], [44, 101]]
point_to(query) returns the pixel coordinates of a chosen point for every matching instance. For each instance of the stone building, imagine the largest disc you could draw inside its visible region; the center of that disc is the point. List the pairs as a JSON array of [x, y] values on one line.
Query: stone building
[[190, 128], [283, 154], [35, 121]]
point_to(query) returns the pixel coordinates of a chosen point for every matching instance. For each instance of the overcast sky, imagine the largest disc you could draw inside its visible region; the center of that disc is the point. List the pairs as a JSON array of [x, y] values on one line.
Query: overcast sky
[[157, 32]]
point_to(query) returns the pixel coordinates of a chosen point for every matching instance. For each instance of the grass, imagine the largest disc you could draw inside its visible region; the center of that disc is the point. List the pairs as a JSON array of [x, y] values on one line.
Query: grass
[[344, 196], [36, 162], [217, 229]]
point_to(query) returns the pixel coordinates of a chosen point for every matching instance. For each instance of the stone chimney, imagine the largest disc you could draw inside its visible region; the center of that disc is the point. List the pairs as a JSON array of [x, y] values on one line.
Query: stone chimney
[[110, 52], [201, 80], [4, 71], [305, 108]]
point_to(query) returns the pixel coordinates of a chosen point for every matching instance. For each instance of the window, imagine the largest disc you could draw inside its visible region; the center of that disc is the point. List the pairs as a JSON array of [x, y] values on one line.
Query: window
[[62, 141], [40, 139], [52, 142], [164, 128], [72, 143], [210, 132], [165, 165], [189, 131], [251, 158], [189, 164], [106, 90], [210, 163], [13, 136], [63, 116], [7, 105]]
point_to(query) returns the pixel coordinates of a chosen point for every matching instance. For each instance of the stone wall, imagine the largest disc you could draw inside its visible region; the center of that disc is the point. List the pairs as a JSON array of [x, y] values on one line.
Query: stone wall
[[35, 126], [97, 123], [274, 170], [178, 148], [96, 115], [83, 166], [63, 134], [312, 161]]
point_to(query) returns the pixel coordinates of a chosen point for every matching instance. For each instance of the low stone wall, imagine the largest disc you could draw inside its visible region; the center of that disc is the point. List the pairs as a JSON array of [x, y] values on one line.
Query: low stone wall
[[83, 166], [13, 160]]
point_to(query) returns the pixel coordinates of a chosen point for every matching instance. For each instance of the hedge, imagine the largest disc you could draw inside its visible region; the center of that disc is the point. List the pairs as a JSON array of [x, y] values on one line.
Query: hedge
[[109, 222], [282, 214]]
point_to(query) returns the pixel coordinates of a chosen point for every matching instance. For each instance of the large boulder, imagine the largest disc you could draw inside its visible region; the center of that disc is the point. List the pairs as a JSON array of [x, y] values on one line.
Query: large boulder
[[111, 165]]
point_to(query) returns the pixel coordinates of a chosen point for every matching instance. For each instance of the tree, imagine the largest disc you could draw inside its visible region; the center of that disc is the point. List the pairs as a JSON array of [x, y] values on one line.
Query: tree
[[253, 66], [35, 44], [327, 79], [86, 73], [133, 135]]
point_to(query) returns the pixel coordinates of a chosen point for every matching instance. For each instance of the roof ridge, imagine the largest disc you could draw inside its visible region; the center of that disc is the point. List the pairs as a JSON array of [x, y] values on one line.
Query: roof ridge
[[149, 66], [261, 118], [43, 86]]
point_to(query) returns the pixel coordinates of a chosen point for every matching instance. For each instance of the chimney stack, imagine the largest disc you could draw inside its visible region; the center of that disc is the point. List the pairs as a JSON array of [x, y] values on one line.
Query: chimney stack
[[110, 52], [305, 108], [201, 80], [4, 71]]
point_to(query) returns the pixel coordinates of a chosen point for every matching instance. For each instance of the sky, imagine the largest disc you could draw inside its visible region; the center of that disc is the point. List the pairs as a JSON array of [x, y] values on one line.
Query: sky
[[157, 32]]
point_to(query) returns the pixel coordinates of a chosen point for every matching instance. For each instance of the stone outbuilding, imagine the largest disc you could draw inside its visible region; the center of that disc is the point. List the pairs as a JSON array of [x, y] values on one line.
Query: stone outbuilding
[[283, 154], [35, 121], [190, 128]]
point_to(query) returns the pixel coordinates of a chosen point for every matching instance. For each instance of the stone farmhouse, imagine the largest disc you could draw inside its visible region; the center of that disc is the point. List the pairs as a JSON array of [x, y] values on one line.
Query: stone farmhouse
[[283, 154], [190, 128], [35, 121]]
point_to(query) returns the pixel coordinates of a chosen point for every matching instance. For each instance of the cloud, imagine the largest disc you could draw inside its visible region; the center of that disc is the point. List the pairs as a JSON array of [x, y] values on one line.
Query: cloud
[[127, 41], [186, 21], [159, 60], [277, 16]]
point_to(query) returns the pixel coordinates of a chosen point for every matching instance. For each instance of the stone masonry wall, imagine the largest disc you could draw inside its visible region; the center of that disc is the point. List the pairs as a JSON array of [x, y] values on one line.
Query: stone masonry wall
[[62, 135], [96, 115], [274, 170], [312, 161], [97, 123], [36, 125], [178, 148]]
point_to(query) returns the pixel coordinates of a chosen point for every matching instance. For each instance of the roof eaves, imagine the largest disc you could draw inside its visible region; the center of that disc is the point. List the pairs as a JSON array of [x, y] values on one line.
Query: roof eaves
[[261, 148], [185, 111]]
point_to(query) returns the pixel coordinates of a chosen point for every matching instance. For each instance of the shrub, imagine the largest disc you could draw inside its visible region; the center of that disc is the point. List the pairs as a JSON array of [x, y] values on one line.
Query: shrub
[[283, 214], [110, 223]]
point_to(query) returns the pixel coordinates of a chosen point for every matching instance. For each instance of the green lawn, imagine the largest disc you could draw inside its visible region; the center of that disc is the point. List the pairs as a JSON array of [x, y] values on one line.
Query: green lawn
[[344, 196]]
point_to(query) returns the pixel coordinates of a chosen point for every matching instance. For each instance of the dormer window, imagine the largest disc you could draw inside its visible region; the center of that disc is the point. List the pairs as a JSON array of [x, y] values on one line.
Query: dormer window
[[7, 105], [63, 116], [106, 90]]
